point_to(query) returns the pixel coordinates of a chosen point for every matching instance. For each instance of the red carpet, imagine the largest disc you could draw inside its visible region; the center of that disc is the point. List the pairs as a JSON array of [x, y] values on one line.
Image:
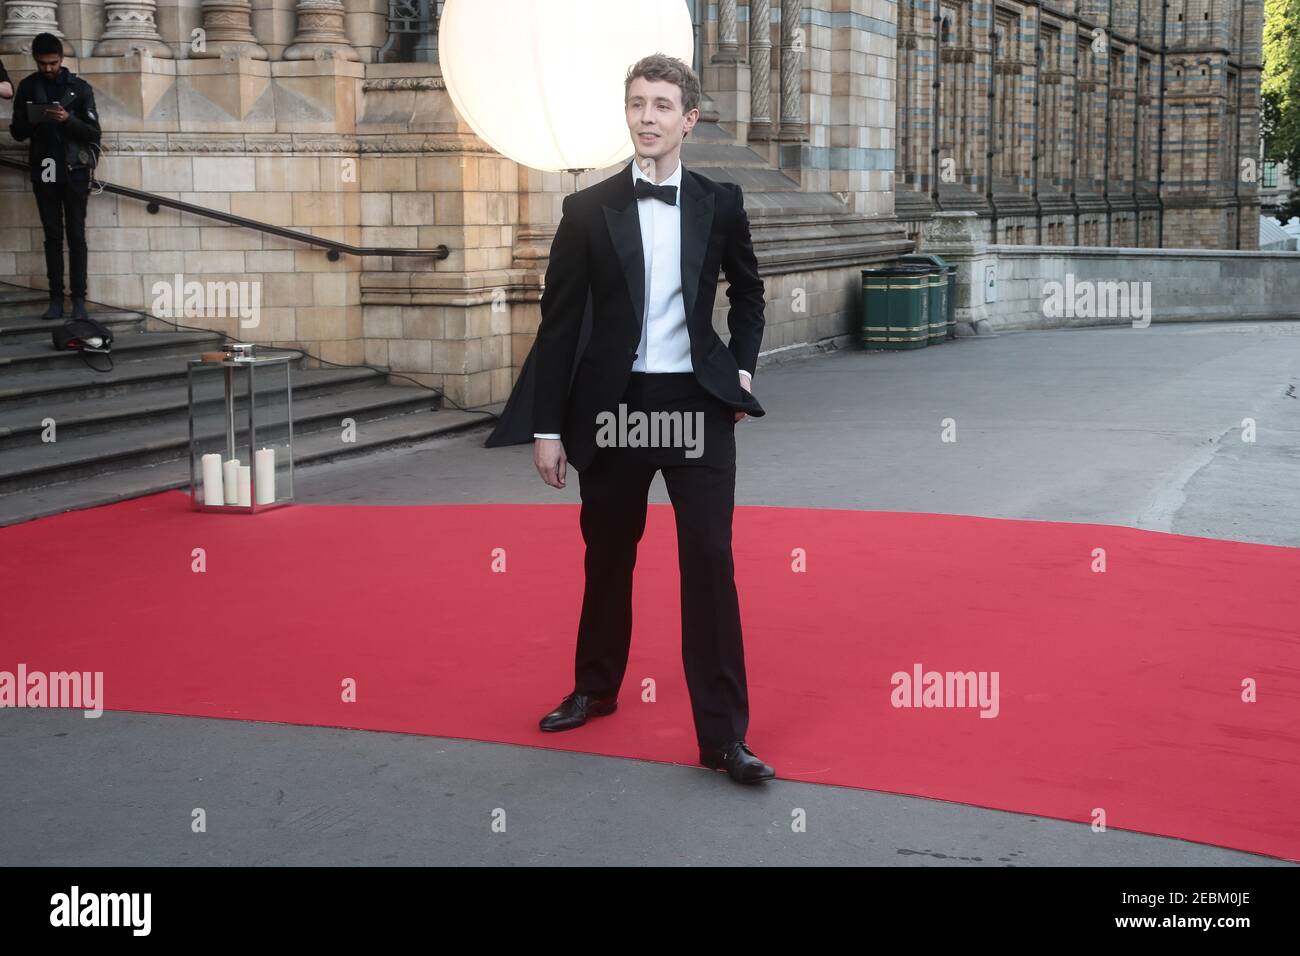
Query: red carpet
[[1119, 691]]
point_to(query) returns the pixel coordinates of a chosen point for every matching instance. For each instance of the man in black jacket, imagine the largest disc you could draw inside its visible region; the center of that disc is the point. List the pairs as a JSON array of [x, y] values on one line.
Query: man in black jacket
[[61, 155], [640, 253]]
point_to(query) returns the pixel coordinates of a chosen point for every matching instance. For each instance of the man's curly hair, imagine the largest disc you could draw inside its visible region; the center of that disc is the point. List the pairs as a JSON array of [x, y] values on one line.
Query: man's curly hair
[[657, 66]]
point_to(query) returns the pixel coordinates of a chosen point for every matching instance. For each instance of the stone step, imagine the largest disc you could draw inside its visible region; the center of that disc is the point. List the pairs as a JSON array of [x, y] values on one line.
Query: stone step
[[30, 329], [761, 205], [146, 443], [23, 390], [725, 161], [312, 449], [167, 407], [755, 181], [708, 130], [721, 154], [125, 432], [38, 356], [17, 302], [770, 194]]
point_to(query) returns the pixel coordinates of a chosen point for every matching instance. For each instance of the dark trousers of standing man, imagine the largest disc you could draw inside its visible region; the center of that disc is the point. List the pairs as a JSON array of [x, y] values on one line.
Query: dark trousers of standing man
[[62, 206], [614, 489]]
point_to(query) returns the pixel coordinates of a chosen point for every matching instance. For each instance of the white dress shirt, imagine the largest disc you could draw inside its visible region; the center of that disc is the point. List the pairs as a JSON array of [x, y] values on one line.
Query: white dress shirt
[[665, 344], [665, 340]]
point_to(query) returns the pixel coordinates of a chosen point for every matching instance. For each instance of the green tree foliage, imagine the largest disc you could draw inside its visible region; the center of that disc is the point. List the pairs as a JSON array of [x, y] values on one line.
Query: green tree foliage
[[1280, 91]]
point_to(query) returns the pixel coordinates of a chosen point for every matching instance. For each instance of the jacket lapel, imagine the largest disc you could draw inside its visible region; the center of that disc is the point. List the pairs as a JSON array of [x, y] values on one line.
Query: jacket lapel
[[624, 225], [697, 226], [625, 232]]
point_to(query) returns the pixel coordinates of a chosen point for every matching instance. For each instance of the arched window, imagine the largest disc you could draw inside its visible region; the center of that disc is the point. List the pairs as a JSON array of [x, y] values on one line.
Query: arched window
[[412, 32]]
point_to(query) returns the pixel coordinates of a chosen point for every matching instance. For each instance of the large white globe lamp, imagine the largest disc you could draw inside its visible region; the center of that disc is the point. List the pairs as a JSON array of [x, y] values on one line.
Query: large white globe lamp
[[541, 81]]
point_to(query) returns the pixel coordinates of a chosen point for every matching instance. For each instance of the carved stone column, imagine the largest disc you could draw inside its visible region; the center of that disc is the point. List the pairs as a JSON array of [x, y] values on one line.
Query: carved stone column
[[793, 43], [228, 29], [129, 25], [24, 19], [728, 48], [320, 34], [760, 70], [959, 238]]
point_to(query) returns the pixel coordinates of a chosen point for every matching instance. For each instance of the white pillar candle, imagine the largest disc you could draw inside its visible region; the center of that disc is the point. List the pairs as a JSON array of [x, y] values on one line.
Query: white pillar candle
[[212, 494], [230, 478], [245, 486], [265, 463]]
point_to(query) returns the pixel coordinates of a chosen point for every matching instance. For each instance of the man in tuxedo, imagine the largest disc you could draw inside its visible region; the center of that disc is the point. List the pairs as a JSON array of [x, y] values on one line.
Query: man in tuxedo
[[642, 251]]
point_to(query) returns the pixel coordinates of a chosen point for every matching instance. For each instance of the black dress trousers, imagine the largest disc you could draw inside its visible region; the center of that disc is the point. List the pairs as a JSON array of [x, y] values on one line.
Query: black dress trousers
[[62, 207], [614, 489]]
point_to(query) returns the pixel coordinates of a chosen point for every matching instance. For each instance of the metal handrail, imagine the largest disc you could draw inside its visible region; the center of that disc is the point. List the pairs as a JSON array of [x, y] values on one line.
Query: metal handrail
[[333, 247]]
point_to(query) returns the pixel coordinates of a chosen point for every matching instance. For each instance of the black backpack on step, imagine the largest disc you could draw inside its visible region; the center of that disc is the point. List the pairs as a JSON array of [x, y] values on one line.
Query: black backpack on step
[[86, 336]]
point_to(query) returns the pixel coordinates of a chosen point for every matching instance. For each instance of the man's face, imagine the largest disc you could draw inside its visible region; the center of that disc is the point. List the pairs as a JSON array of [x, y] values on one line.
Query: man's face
[[655, 119], [48, 64]]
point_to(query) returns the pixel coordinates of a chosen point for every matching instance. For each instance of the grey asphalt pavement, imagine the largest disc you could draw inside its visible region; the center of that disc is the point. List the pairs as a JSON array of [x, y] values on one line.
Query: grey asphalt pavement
[[1142, 428]]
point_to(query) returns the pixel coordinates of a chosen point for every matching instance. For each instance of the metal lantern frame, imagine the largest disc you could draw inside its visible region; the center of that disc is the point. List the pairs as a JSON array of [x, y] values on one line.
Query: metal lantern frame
[[229, 367]]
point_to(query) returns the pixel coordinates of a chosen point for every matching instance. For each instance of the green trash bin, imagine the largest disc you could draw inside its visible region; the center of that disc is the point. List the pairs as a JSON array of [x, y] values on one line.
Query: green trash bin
[[952, 302], [896, 307], [943, 295]]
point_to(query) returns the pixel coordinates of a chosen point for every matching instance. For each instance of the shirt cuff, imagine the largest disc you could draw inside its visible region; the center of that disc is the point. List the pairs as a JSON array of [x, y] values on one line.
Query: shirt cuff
[[538, 435], [748, 375]]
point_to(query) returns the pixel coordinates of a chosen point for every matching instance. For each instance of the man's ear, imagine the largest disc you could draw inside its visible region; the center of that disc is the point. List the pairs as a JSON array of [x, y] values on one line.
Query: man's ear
[[696, 111]]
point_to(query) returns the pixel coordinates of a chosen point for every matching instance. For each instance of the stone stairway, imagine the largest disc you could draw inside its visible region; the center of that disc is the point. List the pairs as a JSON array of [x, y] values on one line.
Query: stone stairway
[[713, 151], [792, 229], [125, 433]]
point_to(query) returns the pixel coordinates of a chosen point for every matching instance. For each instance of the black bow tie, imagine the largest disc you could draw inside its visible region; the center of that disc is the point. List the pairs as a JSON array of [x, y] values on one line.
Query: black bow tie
[[648, 190]]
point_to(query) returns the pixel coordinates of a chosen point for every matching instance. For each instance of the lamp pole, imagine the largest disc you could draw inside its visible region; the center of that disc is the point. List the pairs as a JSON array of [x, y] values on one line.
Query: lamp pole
[[576, 173]]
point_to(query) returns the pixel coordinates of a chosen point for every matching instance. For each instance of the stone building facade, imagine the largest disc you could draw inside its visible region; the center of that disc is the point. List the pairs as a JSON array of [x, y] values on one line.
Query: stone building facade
[[330, 117], [300, 115], [1051, 121]]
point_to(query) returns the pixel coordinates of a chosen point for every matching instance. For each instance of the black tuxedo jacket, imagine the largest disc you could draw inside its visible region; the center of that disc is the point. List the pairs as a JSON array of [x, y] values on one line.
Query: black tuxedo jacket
[[594, 299]]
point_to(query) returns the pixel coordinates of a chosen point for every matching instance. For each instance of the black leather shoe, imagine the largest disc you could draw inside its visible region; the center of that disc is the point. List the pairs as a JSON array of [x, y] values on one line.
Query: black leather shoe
[[575, 709], [79, 308], [739, 762], [55, 311]]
